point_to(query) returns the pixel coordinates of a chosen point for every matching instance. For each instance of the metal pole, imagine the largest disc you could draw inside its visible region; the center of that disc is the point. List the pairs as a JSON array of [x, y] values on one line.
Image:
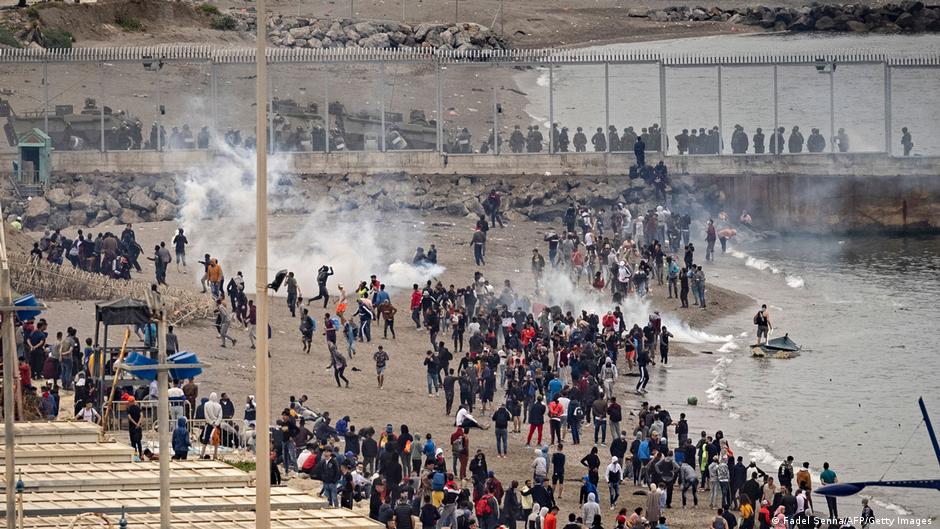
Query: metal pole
[[440, 109], [326, 113], [456, 11], [103, 147], [663, 140], [607, 100], [263, 411], [352, 8], [159, 119], [214, 95], [45, 96], [721, 144], [382, 105], [832, 109], [163, 419], [773, 135], [551, 109], [888, 125], [9, 360], [402, 10], [495, 120]]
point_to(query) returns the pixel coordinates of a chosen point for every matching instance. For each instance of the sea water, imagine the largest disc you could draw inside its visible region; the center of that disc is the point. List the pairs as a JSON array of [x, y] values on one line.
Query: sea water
[[865, 310]]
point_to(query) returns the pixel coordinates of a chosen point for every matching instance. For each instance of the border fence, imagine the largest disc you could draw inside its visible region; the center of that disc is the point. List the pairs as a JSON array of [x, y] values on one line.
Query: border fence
[[569, 82]]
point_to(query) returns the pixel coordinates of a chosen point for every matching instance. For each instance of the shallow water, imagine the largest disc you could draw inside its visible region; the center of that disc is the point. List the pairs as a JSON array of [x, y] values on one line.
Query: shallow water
[[692, 99], [865, 313]]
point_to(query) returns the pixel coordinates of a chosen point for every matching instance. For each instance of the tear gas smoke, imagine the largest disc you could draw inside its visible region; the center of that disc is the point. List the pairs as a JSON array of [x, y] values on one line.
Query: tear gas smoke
[[218, 213], [562, 291]]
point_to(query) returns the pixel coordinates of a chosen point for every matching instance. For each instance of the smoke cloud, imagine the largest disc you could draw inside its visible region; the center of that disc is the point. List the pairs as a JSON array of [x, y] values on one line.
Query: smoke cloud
[[562, 291], [218, 212]]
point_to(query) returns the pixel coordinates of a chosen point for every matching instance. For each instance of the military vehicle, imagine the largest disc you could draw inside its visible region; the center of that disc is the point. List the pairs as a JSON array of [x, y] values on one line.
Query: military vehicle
[[298, 127], [73, 132]]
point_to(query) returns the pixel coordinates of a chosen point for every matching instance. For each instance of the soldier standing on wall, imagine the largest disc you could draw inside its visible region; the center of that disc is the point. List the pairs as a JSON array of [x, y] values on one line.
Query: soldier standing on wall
[[759, 141], [906, 141], [580, 140]]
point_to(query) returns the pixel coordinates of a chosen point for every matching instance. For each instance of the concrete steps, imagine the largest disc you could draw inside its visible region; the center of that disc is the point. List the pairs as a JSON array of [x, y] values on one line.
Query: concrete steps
[[61, 453], [280, 519], [229, 499], [128, 476]]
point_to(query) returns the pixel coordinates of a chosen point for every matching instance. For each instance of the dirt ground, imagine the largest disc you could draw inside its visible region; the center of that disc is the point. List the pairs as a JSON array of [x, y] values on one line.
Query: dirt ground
[[404, 399]]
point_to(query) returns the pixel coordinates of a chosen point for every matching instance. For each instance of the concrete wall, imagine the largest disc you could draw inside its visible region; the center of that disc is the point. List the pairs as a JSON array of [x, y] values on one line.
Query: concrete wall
[[825, 205], [143, 162]]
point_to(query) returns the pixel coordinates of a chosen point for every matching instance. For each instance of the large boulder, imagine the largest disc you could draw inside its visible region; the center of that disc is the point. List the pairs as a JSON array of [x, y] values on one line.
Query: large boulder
[[57, 197], [141, 200], [825, 24], [379, 40], [86, 202], [165, 210], [37, 212]]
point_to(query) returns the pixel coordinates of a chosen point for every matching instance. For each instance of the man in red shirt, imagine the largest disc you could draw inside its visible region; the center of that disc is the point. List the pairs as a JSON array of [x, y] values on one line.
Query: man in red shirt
[[416, 306], [460, 447]]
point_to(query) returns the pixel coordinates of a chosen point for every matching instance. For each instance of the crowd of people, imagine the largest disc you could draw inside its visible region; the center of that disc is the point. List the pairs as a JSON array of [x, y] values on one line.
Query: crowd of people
[[500, 361], [109, 254]]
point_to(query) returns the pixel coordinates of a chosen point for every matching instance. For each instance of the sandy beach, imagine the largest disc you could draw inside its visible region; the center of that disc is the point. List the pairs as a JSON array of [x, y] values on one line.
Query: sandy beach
[[296, 373]]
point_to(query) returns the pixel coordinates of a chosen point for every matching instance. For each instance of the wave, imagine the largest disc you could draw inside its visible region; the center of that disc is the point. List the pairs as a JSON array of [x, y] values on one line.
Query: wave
[[719, 393], [792, 280], [762, 455]]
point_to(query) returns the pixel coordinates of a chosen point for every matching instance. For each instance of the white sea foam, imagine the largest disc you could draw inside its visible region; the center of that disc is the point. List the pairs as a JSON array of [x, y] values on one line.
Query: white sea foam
[[792, 280]]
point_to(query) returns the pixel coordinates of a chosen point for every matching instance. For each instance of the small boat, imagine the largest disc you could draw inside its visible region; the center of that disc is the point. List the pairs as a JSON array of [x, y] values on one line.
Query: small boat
[[778, 348]]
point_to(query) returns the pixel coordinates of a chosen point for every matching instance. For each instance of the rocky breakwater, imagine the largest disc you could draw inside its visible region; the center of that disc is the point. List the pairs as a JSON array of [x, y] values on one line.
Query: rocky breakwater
[[300, 32], [90, 200], [906, 17], [96, 199]]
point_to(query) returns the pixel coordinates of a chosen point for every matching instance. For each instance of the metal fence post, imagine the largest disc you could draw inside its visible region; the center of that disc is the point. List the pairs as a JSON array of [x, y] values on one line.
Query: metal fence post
[[721, 128], [551, 109], [887, 94], [45, 96], [607, 101], [440, 106], [496, 134], [773, 135], [382, 105], [326, 113], [102, 147], [832, 108], [664, 137], [214, 95]]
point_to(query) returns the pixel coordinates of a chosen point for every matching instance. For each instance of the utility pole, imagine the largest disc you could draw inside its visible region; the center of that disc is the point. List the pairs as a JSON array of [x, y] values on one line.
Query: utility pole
[[163, 417], [9, 377], [263, 412]]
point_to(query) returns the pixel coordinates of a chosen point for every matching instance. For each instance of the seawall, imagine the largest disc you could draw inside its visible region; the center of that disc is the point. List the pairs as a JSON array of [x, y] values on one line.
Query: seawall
[[428, 163]]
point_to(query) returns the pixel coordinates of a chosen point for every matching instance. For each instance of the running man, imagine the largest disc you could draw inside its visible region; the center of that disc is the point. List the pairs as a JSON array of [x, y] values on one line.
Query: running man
[[381, 360]]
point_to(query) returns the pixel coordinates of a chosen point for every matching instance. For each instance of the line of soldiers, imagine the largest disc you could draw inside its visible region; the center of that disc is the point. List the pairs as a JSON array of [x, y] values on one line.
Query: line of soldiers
[[533, 141], [711, 142]]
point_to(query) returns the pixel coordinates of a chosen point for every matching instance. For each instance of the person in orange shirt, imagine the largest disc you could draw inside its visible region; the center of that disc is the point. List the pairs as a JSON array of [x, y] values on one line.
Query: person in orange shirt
[[555, 411], [551, 519]]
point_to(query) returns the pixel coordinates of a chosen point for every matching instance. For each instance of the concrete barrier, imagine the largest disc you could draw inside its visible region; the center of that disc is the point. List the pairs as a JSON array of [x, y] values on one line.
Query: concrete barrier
[[588, 164]]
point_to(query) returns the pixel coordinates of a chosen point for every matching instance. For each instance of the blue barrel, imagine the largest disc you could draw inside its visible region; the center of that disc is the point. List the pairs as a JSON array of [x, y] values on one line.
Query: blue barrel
[[28, 300]]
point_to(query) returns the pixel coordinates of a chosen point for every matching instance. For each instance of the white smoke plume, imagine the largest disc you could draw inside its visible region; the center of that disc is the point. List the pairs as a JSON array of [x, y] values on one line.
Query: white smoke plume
[[562, 291], [218, 213]]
